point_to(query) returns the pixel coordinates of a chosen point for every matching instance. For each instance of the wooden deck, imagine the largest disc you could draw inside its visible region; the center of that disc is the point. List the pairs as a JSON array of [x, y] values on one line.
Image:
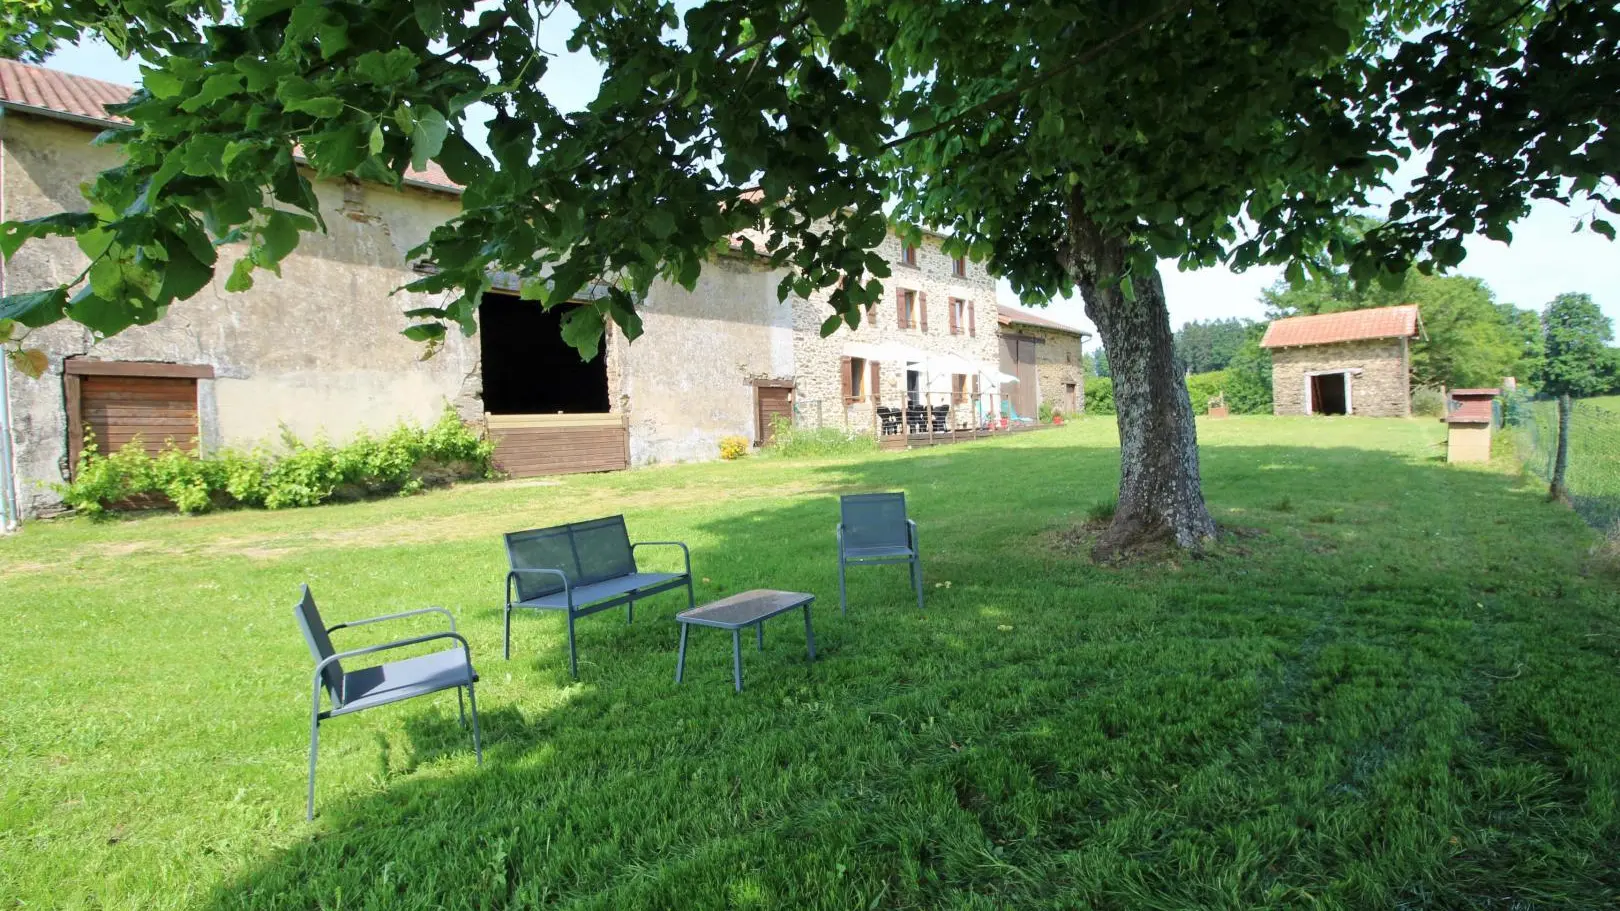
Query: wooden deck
[[913, 440]]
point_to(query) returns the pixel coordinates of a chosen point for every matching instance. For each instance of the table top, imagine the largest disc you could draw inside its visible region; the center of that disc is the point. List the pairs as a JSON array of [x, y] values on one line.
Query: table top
[[745, 608]]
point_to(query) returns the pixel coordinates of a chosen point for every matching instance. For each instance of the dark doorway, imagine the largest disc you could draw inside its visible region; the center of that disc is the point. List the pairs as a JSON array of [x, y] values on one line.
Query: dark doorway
[[528, 368], [1328, 394]]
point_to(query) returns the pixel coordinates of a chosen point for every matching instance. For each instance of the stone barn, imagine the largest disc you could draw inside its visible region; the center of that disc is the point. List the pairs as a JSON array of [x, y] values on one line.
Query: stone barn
[[1354, 362]]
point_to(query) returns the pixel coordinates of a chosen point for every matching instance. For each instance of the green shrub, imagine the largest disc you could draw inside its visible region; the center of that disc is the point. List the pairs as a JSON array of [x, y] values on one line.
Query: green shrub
[[1099, 395], [1043, 413], [405, 461], [1428, 402], [1201, 387], [789, 441], [1102, 511]]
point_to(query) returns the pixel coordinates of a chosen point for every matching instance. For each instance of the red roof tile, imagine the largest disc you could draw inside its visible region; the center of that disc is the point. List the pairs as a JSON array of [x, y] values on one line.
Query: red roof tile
[[1348, 326], [1008, 316], [56, 93]]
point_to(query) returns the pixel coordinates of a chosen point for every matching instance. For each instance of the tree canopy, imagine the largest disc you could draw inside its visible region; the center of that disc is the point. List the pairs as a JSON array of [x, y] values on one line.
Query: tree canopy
[[1576, 359], [1071, 145], [1205, 345], [1169, 120]]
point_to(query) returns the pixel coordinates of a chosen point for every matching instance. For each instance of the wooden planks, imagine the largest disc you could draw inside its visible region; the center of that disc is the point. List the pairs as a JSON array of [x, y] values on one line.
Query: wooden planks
[[553, 447], [771, 402], [119, 408]]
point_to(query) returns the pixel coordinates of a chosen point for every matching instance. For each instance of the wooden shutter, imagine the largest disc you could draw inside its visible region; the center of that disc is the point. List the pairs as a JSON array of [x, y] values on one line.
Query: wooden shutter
[[922, 310], [120, 408], [875, 390], [950, 311], [969, 307], [900, 307], [845, 378]]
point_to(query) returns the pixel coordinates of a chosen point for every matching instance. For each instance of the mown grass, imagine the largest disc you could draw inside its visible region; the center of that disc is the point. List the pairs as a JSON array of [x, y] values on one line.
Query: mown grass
[[1411, 705]]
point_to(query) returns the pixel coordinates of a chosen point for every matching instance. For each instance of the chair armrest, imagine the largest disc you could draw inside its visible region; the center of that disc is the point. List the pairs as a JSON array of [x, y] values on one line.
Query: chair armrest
[[911, 529], [685, 551], [409, 613], [513, 575]]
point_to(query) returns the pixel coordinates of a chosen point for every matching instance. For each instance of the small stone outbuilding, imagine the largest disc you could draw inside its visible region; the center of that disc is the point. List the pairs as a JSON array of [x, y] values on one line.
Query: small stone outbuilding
[[1355, 362]]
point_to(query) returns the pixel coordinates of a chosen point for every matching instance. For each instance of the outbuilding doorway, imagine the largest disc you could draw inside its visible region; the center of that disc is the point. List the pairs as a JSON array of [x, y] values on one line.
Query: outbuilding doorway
[[1329, 393]]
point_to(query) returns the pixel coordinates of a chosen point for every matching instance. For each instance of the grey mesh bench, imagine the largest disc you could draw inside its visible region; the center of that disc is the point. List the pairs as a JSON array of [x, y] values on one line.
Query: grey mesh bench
[[580, 569]]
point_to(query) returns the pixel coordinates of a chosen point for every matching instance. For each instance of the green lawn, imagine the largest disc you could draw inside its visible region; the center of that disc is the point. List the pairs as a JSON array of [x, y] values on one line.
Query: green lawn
[[1392, 684]]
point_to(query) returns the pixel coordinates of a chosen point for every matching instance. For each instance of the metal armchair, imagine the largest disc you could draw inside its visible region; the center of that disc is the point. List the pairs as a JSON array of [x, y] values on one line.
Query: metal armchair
[[350, 691], [874, 530]]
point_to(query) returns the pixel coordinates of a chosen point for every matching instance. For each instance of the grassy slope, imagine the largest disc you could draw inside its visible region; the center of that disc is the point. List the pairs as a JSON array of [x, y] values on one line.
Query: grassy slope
[[1401, 692]]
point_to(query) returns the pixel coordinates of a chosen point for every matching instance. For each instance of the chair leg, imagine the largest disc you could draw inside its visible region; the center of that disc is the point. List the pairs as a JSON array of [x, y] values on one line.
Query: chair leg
[[680, 657], [314, 743], [809, 634], [461, 706], [573, 653], [843, 597], [629, 612], [736, 658], [691, 596], [759, 630], [508, 632], [478, 743], [917, 580]]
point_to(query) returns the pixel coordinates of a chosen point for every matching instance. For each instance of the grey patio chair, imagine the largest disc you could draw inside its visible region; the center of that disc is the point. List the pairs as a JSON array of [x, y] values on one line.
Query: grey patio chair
[[874, 530], [350, 691]]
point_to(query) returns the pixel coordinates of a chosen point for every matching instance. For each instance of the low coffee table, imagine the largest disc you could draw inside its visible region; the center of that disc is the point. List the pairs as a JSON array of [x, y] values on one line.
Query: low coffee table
[[750, 608]]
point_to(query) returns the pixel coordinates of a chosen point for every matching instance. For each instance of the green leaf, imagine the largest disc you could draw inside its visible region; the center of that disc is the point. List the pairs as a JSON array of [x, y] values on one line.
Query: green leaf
[[1602, 227], [7, 327], [30, 362], [424, 332], [108, 317], [320, 106], [241, 275], [184, 275], [582, 330], [376, 139], [659, 222], [279, 236], [34, 308], [215, 88], [828, 15], [429, 16], [461, 162], [14, 233], [428, 137], [161, 83], [831, 324], [334, 37]]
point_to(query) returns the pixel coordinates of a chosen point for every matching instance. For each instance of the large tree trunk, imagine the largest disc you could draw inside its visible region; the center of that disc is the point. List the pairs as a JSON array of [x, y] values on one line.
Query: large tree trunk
[[1557, 490], [1160, 498]]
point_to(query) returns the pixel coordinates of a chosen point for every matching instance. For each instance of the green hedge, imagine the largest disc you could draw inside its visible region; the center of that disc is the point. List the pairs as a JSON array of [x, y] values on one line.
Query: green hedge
[[1099, 395], [404, 461]]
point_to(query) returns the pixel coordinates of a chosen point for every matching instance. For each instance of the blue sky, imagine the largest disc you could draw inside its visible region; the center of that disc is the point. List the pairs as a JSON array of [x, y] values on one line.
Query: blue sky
[[1544, 259]]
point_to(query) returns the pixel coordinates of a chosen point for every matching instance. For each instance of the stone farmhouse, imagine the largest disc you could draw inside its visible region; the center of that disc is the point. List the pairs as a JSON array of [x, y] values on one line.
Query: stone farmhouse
[[317, 350], [1354, 362]]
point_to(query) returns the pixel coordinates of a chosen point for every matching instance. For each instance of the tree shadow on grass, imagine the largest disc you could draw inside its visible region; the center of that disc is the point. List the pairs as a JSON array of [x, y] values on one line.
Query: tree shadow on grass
[[1300, 712]]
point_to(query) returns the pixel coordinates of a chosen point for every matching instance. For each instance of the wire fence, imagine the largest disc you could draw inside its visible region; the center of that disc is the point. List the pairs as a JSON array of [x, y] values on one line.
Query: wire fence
[[1593, 476]]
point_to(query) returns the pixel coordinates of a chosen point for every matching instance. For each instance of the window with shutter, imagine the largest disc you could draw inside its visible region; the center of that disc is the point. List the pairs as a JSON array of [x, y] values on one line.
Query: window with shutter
[[969, 308], [857, 379], [845, 378], [877, 384], [900, 309], [922, 311], [959, 267]]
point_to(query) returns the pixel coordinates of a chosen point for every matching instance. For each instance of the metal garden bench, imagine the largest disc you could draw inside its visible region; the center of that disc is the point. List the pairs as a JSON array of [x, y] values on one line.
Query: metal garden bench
[[357, 690], [873, 530], [580, 569]]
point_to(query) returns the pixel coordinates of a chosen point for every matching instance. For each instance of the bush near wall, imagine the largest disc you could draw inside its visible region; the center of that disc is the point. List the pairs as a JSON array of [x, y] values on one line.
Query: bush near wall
[[789, 440], [1099, 395], [406, 460]]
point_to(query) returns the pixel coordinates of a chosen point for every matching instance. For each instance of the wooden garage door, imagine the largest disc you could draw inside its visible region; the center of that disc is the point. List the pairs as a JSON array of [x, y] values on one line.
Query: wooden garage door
[[770, 404], [118, 409]]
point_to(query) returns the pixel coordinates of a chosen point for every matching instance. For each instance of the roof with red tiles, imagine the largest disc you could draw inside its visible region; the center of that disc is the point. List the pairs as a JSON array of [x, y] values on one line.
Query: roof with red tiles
[[1014, 316], [1348, 326], [53, 93]]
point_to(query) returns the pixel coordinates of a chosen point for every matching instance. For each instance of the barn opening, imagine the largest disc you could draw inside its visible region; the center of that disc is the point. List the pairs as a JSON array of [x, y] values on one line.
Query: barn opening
[[528, 368], [1330, 393], [546, 409]]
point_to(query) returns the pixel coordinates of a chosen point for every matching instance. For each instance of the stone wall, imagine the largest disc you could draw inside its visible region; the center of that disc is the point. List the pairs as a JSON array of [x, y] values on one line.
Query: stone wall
[[1382, 388], [818, 361], [315, 350], [1057, 364], [687, 381]]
